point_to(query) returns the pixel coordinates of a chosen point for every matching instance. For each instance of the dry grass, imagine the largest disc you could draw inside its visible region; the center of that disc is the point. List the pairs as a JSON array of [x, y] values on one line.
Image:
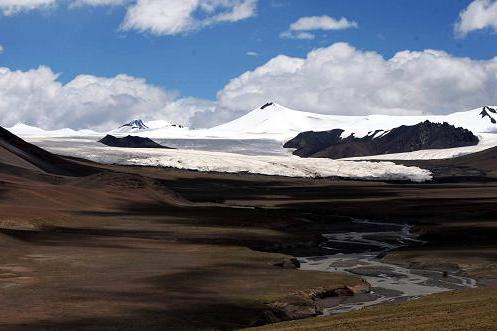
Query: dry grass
[[465, 310]]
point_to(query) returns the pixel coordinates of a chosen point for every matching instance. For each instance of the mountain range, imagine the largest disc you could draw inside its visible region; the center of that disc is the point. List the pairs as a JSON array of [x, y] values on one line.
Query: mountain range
[[278, 123], [274, 121]]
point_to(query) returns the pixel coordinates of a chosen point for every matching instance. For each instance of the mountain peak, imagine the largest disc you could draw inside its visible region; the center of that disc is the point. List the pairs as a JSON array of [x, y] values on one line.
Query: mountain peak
[[135, 125]]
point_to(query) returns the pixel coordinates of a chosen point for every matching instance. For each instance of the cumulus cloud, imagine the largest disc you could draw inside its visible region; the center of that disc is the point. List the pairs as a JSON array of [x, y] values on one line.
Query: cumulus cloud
[[341, 79], [172, 17], [12, 7], [300, 28], [188, 111], [480, 14], [322, 23], [158, 17], [37, 97]]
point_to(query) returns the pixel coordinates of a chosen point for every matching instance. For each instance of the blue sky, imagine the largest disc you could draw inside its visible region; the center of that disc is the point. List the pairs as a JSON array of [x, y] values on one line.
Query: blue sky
[[88, 40], [99, 63]]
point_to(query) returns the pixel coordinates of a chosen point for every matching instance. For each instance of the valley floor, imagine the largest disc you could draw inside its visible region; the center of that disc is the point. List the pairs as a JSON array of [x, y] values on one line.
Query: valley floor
[[132, 248]]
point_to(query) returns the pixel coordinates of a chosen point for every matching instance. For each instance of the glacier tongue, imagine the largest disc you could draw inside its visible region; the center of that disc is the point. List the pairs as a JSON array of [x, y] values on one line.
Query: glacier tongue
[[280, 165]]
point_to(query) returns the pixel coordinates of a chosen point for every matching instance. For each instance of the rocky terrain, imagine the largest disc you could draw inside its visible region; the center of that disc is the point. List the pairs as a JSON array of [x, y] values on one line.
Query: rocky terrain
[[425, 135], [130, 142]]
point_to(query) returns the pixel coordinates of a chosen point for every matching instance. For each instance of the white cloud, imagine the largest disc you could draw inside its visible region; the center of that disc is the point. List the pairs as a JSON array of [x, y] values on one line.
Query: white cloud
[[40, 99], [300, 28], [185, 111], [322, 23], [480, 14], [171, 17], [2, 49], [340, 79], [252, 53], [98, 3], [12, 7], [158, 17], [297, 35]]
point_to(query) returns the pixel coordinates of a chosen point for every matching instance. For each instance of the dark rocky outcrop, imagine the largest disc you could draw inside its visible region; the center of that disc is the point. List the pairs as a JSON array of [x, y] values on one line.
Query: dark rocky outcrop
[[267, 105], [130, 142], [425, 135], [487, 111]]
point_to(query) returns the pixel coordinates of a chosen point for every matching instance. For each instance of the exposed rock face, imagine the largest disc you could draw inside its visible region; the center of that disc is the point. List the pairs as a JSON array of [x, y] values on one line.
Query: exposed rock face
[[490, 113], [267, 105], [425, 135], [130, 142]]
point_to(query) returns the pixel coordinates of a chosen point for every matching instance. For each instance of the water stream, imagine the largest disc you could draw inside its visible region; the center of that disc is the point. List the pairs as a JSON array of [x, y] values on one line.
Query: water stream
[[359, 253]]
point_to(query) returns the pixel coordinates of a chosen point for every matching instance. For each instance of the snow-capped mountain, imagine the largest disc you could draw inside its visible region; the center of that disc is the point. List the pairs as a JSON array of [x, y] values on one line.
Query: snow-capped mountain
[[274, 121], [132, 126], [135, 125], [139, 127]]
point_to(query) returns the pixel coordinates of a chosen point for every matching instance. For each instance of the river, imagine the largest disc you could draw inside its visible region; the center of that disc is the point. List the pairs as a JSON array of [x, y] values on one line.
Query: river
[[360, 253]]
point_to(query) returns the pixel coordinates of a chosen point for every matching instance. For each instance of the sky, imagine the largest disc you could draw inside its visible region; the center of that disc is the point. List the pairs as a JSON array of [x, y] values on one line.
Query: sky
[[99, 63]]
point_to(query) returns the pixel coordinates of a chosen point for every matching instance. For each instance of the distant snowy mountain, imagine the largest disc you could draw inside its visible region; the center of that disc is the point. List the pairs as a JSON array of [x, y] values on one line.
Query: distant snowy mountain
[[24, 130], [274, 121], [131, 127], [135, 125], [139, 127]]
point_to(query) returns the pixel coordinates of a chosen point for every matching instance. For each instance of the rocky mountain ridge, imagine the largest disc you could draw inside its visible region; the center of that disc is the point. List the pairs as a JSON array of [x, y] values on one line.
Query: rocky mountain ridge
[[424, 135]]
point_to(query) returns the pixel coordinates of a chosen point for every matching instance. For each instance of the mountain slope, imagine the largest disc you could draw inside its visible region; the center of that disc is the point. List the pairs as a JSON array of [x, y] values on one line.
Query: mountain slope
[[18, 153]]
